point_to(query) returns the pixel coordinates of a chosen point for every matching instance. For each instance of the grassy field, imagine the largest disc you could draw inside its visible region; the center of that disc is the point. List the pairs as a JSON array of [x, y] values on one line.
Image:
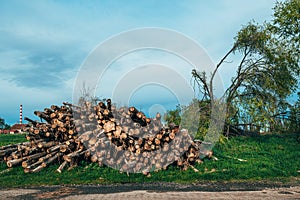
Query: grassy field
[[11, 139], [261, 158]]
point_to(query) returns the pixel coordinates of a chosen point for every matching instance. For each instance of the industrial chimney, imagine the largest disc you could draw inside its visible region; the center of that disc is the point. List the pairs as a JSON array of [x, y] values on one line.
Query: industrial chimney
[[21, 113]]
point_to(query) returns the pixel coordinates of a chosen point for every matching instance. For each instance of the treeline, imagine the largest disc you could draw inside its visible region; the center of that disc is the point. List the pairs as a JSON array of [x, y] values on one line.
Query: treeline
[[239, 123]]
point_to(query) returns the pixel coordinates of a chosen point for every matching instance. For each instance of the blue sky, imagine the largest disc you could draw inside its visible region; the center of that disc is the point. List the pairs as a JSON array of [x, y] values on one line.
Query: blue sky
[[44, 43]]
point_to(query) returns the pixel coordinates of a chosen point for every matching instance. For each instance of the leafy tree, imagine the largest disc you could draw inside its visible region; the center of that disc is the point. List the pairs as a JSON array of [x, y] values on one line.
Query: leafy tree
[[267, 72], [195, 117], [2, 123], [173, 116], [294, 117]]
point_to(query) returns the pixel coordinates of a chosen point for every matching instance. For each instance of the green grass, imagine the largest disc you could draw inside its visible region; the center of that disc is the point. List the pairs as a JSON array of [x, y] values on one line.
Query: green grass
[[268, 158], [11, 139]]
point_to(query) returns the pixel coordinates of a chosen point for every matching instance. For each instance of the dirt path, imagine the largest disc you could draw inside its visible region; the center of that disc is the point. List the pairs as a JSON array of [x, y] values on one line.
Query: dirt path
[[290, 193], [155, 191]]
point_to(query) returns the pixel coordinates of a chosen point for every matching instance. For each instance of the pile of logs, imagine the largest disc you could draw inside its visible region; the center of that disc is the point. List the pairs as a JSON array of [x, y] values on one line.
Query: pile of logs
[[122, 138]]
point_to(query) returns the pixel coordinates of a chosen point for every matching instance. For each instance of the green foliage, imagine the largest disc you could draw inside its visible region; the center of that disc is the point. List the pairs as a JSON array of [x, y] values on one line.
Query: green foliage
[[267, 73], [4, 125], [195, 117], [269, 78], [173, 116], [294, 117], [7, 126], [252, 37], [286, 22]]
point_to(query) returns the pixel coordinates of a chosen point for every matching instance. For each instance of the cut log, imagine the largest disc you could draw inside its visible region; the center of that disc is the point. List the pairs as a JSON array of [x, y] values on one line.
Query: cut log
[[51, 159], [61, 167]]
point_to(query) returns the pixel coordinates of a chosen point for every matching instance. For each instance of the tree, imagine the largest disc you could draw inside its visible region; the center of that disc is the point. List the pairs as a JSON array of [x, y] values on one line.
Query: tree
[[195, 117], [2, 123], [294, 117], [267, 73], [173, 116]]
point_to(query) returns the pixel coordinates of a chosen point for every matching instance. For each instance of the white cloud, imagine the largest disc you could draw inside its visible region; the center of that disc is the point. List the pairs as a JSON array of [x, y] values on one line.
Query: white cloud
[[52, 38], [31, 99]]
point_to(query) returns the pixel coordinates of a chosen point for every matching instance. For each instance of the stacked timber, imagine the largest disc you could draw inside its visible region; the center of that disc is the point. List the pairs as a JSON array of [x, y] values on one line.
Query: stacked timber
[[122, 138]]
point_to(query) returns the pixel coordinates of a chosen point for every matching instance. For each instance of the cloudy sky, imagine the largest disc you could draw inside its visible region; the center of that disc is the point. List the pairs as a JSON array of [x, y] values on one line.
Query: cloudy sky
[[45, 43]]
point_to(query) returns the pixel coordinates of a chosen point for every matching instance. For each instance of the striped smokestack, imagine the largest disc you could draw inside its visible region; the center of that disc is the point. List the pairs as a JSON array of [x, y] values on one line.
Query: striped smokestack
[[21, 113]]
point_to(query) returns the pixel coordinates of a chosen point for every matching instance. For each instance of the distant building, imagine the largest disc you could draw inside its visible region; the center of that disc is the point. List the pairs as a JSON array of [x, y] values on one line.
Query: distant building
[[18, 128], [4, 131]]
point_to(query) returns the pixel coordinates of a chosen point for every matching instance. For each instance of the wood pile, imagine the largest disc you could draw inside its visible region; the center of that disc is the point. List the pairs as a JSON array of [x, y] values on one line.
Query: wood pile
[[122, 138]]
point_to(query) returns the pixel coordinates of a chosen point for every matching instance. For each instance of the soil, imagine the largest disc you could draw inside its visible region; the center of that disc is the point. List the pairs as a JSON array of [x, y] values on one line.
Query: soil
[[202, 190]]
